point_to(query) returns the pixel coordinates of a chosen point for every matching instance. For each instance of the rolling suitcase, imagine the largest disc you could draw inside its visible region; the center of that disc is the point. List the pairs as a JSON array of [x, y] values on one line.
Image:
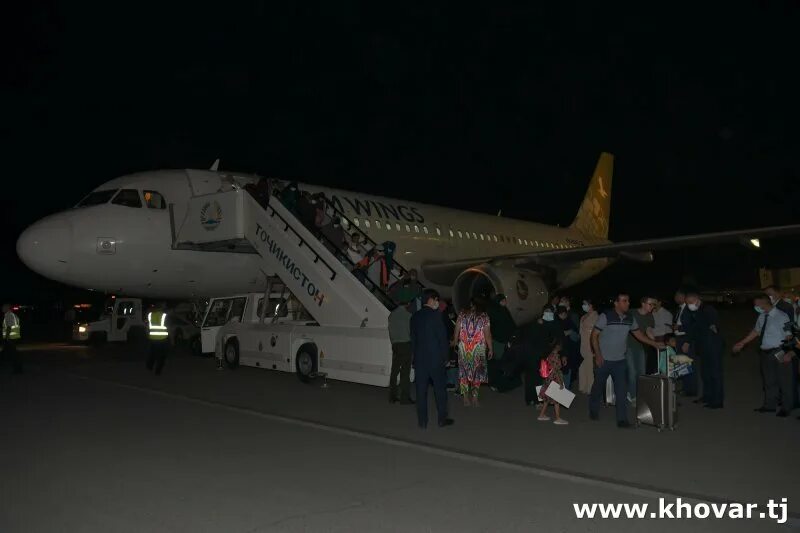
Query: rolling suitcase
[[655, 402]]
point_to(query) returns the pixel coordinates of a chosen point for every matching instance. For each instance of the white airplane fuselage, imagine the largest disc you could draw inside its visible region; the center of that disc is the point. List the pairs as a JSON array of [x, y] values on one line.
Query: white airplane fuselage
[[128, 250]]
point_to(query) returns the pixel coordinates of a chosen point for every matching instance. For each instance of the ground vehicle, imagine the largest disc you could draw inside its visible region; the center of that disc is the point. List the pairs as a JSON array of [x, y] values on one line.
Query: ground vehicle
[[240, 330], [122, 321]]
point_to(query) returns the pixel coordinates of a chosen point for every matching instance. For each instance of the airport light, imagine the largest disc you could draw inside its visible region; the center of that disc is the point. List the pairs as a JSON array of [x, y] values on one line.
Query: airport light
[[81, 329], [756, 243]]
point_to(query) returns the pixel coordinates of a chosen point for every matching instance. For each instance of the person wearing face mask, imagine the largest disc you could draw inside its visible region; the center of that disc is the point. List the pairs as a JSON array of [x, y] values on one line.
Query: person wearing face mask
[[683, 320], [538, 337], [773, 330], [778, 299], [502, 325], [705, 340], [570, 345], [586, 370]]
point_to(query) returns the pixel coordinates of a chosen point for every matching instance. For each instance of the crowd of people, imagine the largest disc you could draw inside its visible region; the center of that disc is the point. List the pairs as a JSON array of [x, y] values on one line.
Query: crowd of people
[[596, 351], [599, 352]]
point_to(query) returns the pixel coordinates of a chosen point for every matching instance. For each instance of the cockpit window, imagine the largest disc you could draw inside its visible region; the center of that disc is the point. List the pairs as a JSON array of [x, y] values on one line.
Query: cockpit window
[[97, 198], [128, 198], [154, 200]]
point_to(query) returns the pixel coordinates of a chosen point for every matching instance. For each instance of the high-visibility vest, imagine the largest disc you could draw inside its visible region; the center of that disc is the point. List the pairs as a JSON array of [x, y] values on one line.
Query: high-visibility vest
[[11, 328], [156, 322]]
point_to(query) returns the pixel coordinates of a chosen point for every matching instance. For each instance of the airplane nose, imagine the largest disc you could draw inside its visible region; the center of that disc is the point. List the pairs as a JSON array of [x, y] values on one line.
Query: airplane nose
[[46, 247]]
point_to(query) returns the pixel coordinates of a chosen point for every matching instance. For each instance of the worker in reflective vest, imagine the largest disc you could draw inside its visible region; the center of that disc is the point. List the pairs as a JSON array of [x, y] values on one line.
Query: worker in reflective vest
[[158, 334], [11, 335]]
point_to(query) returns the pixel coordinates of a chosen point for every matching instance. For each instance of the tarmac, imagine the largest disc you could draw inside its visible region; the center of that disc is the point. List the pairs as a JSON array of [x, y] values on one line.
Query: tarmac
[[92, 442]]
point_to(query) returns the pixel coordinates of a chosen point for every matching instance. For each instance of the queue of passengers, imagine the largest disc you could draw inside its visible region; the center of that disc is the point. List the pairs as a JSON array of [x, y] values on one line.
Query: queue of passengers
[[597, 352]]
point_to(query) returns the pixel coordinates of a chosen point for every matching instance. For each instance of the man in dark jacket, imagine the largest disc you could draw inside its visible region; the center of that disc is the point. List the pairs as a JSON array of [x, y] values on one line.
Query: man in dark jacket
[[705, 340], [429, 347]]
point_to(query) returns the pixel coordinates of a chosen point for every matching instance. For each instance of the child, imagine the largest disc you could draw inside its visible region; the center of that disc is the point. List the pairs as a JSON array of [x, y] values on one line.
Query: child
[[554, 364]]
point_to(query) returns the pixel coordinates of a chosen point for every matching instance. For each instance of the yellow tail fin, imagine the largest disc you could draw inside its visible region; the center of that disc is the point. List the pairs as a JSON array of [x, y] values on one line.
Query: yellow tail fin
[[593, 215]]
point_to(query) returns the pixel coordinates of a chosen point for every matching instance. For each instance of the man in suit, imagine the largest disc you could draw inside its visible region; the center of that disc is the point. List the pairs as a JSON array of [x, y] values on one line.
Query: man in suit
[[704, 339], [429, 347]]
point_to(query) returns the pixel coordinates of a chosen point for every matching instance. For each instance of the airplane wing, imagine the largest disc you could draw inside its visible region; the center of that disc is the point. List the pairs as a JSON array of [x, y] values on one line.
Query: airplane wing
[[636, 250]]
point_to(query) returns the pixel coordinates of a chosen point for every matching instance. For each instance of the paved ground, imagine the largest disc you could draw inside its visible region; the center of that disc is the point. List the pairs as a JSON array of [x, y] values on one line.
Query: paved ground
[[90, 442]]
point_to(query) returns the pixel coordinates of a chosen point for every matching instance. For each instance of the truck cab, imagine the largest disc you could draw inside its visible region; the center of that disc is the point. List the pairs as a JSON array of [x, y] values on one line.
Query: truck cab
[[121, 321]]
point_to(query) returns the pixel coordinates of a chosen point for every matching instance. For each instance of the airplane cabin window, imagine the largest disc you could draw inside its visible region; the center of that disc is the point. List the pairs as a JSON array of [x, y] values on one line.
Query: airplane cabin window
[[408, 228], [377, 224], [388, 227], [366, 223], [526, 242], [97, 198], [398, 227], [467, 235], [416, 228], [451, 234], [355, 221], [519, 241], [460, 235], [154, 200], [425, 229], [128, 198], [438, 231], [474, 236], [495, 238]]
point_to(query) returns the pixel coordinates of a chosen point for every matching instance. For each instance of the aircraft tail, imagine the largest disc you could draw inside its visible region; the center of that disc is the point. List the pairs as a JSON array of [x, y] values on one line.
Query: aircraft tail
[[593, 215]]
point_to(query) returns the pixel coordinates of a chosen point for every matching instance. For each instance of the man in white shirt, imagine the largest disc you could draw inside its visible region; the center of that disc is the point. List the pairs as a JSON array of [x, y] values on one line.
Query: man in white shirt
[[773, 329]]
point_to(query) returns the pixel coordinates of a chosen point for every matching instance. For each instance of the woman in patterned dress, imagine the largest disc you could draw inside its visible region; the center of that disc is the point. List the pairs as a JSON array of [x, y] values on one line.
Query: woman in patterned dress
[[555, 362], [474, 340]]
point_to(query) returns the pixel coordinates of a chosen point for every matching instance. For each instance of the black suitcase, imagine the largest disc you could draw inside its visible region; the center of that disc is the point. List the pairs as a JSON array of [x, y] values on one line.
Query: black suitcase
[[655, 402]]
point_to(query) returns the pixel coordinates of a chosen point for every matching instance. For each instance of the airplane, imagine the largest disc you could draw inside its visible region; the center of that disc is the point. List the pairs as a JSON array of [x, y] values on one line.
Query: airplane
[[119, 239]]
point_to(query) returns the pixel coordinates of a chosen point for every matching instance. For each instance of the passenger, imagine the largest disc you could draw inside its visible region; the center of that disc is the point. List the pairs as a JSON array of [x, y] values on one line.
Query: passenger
[[307, 211], [707, 344], [262, 192], [474, 340], [662, 319], [553, 374], [354, 252], [683, 320], [609, 343], [570, 345], [773, 329], [636, 356], [334, 237], [376, 266], [389, 249], [290, 198], [502, 325], [429, 352], [538, 338], [449, 317], [586, 370], [400, 337]]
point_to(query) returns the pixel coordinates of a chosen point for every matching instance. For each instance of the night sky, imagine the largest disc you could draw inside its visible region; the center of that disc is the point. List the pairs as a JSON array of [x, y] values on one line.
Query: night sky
[[482, 110]]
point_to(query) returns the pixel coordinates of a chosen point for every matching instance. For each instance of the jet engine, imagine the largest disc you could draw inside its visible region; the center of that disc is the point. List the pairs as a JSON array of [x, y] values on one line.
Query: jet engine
[[526, 291]]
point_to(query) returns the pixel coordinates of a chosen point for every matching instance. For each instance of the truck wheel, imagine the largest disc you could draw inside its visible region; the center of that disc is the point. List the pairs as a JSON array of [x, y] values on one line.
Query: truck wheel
[[231, 354], [304, 364]]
